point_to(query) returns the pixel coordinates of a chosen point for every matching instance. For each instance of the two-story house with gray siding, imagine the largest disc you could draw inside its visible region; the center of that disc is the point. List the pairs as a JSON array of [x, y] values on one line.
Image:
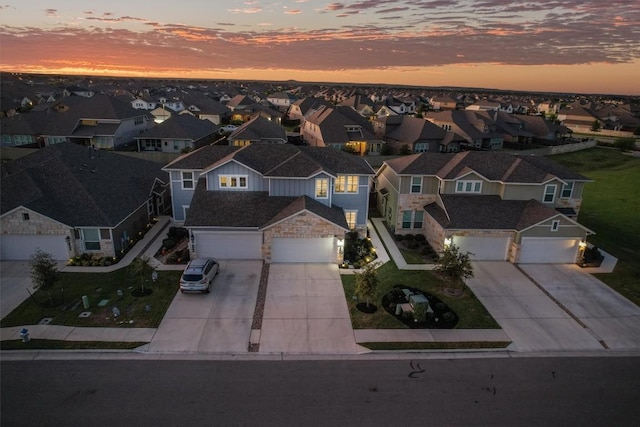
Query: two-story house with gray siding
[[280, 203], [498, 206]]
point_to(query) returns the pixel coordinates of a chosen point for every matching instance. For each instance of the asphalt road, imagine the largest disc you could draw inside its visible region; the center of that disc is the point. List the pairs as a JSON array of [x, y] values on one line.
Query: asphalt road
[[457, 392]]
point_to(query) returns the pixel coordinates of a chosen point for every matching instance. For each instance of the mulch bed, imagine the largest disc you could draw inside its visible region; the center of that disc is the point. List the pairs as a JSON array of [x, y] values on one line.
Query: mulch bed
[[441, 318]]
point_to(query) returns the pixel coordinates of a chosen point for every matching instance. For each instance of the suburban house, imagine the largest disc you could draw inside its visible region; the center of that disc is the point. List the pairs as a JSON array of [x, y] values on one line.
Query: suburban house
[[496, 205], [280, 203], [178, 133], [476, 127], [258, 129], [69, 200], [301, 108], [340, 128], [417, 135]]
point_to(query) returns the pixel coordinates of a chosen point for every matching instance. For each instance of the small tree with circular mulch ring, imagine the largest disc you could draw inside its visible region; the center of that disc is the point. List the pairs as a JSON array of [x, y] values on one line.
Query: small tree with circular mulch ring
[[366, 288]]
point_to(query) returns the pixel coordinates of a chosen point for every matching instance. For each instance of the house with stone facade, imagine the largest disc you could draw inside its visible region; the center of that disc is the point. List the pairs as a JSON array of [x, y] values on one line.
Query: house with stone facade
[[495, 205], [69, 200], [276, 202]]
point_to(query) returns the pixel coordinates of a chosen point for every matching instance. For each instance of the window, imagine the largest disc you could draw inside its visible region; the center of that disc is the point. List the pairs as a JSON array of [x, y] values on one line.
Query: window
[[468, 186], [25, 216], [549, 193], [567, 189], [91, 237], [187, 180], [185, 210], [417, 219], [322, 185], [416, 184], [348, 184], [421, 147], [138, 120], [351, 217], [406, 219], [555, 224], [233, 181]]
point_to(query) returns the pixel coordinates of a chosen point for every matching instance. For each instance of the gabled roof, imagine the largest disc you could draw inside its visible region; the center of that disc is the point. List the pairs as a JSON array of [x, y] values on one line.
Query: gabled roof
[[79, 186], [414, 129], [259, 129], [494, 166], [334, 122], [252, 209], [181, 126], [488, 213], [201, 158]]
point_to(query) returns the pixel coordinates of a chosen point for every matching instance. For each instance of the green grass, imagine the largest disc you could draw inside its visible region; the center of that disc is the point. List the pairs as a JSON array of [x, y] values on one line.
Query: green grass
[[67, 293], [411, 256], [611, 208], [68, 345], [464, 345], [471, 312]]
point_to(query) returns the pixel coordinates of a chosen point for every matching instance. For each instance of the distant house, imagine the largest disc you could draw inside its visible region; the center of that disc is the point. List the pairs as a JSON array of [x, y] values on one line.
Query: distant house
[[258, 129], [302, 108], [179, 133], [340, 128], [281, 100], [279, 203], [69, 200], [495, 205], [477, 128], [418, 135], [444, 103]]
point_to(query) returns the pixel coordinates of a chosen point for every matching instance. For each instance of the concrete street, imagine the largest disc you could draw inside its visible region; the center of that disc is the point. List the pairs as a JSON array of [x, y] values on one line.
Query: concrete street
[[580, 391]]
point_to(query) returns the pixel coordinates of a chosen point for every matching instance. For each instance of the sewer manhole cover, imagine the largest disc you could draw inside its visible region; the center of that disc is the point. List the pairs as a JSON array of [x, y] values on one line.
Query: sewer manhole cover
[[84, 314]]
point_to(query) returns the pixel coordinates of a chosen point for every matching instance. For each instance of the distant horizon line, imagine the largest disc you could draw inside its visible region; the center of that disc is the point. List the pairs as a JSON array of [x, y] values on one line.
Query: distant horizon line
[[290, 81]]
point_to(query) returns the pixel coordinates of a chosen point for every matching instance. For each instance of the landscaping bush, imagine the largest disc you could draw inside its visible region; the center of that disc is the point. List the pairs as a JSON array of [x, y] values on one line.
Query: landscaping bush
[[169, 243], [409, 237], [386, 150], [398, 237], [420, 238]]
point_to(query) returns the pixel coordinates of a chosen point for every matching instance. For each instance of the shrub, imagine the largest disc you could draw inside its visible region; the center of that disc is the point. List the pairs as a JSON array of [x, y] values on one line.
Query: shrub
[[409, 237], [420, 238], [625, 144], [169, 243], [448, 316], [404, 149], [386, 150], [399, 237]]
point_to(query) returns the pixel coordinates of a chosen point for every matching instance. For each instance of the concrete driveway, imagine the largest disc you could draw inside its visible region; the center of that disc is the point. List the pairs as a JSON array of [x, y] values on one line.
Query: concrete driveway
[[305, 311], [15, 279], [219, 322], [532, 320], [608, 315]]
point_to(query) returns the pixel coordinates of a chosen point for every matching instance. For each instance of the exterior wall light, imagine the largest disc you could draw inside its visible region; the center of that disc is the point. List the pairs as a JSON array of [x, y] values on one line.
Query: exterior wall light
[[447, 242]]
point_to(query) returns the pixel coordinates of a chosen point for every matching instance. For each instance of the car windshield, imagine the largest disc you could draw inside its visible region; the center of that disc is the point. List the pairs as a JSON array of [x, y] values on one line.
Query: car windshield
[[192, 277]]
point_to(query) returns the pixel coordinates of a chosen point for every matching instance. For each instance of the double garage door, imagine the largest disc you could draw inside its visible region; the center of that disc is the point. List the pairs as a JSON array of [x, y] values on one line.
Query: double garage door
[[21, 247], [318, 250], [548, 250], [484, 248], [229, 245]]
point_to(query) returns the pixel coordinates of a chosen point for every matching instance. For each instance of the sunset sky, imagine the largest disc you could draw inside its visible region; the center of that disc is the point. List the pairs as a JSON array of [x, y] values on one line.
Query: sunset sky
[[590, 46]]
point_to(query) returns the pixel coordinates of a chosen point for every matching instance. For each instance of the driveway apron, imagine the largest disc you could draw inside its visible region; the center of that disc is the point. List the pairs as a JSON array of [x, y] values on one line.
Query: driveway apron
[[306, 311], [608, 315], [533, 321], [15, 279], [219, 322]]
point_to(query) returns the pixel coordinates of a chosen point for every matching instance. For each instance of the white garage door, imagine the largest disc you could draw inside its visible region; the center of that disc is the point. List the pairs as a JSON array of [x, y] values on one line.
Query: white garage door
[[303, 250], [548, 250], [21, 247], [229, 245], [484, 248]]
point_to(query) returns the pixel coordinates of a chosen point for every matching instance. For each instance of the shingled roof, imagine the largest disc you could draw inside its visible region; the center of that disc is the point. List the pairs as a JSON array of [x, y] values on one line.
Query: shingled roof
[[495, 166], [79, 186], [182, 126], [488, 213]]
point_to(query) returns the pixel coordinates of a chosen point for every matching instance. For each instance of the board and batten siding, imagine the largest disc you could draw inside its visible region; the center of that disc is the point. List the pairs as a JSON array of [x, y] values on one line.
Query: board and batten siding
[[566, 229], [300, 187], [255, 182], [429, 184], [354, 201], [181, 197]]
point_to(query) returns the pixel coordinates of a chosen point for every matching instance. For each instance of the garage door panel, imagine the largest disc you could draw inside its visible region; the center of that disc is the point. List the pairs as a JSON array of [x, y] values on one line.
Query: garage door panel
[[21, 247], [548, 250], [318, 250], [229, 245], [488, 248]]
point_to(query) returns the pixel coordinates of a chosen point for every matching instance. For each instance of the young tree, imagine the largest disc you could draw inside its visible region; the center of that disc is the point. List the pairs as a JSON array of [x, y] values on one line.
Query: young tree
[[140, 269], [367, 283], [595, 126], [44, 271], [454, 265]]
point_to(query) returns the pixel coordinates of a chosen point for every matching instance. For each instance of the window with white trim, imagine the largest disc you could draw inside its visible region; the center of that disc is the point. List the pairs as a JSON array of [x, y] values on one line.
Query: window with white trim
[[406, 219], [421, 147], [549, 193], [416, 184], [567, 190], [91, 239], [322, 187], [555, 225], [418, 218], [351, 217], [468, 187], [232, 181], [187, 180], [185, 210], [346, 184]]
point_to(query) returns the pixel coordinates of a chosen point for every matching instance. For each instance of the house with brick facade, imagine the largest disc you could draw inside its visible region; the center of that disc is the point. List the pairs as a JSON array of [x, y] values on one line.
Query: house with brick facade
[[495, 205], [276, 202], [69, 200]]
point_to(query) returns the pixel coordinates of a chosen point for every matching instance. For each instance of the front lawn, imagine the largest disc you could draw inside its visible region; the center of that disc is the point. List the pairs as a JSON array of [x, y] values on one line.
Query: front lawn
[[610, 207], [63, 303], [471, 313]]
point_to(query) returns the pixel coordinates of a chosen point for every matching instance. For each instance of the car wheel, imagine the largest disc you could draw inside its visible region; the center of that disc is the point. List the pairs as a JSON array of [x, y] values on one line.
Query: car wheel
[[182, 290], [206, 291]]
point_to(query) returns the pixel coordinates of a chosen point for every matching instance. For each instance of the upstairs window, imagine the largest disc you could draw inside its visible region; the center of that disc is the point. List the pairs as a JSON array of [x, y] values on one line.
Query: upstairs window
[[549, 193], [187, 180], [469, 187], [416, 184], [555, 225], [567, 190], [346, 184], [322, 186], [421, 147], [233, 181]]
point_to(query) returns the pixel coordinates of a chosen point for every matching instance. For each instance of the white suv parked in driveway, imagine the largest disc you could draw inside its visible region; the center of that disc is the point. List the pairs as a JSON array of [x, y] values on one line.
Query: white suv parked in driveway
[[199, 275]]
